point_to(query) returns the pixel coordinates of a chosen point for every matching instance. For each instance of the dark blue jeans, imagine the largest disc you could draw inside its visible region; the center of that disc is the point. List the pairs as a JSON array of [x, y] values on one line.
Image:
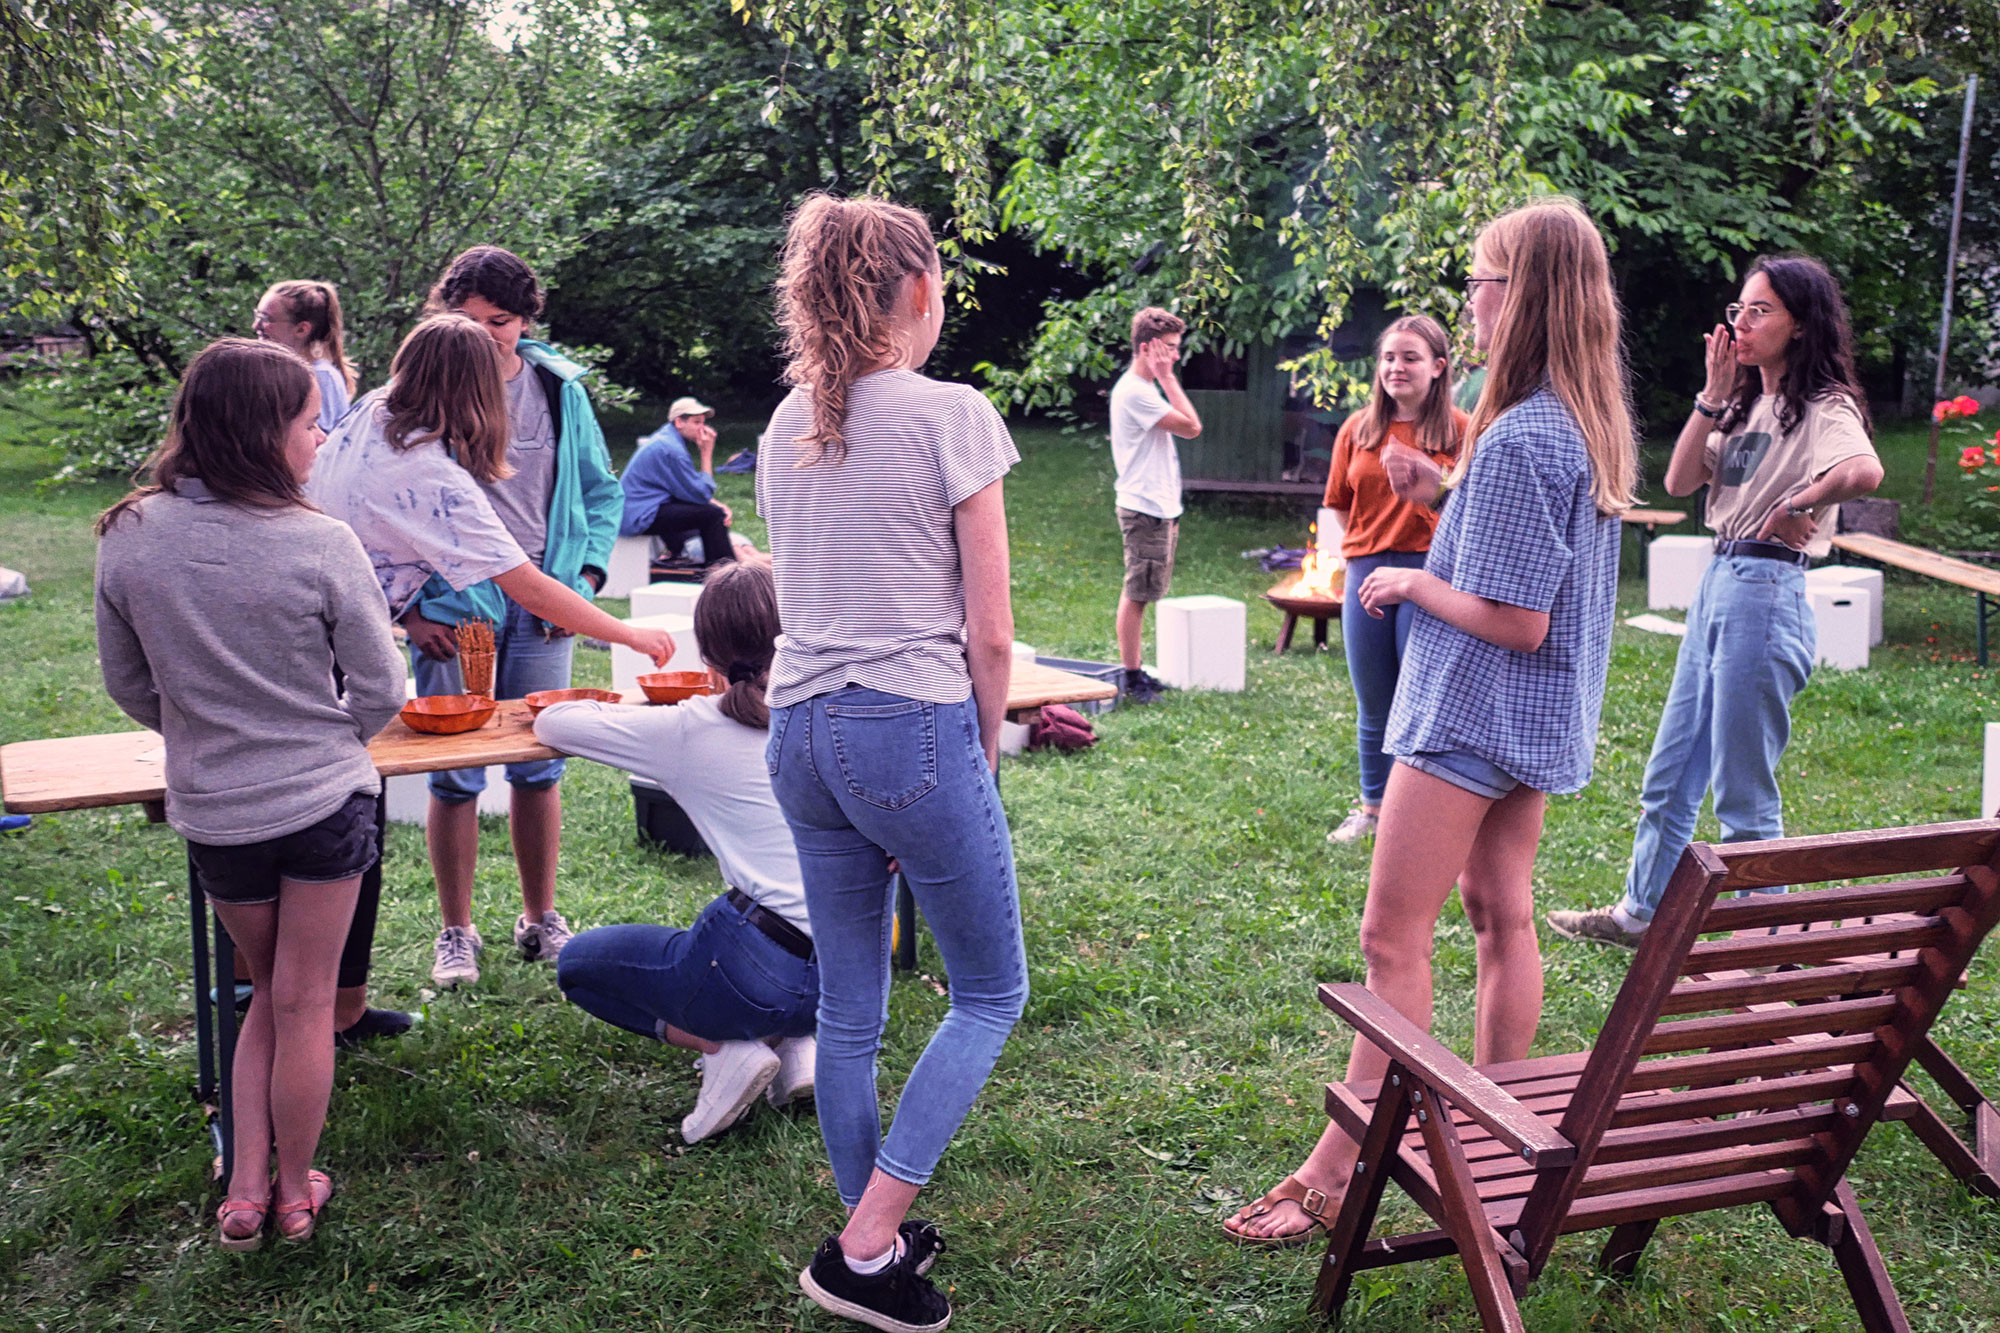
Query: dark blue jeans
[[863, 776], [721, 979], [1374, 651]]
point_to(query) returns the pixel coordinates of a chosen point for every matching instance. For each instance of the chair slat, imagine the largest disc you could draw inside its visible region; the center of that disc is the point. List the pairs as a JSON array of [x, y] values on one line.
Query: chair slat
[[1920, 897], [1648, 1108], [1816, 946], [1769, 1024], [1817, 983], [1860, 855], [1702, 1071], [1641, 1142], [1694, 1196], [1728, 1161]]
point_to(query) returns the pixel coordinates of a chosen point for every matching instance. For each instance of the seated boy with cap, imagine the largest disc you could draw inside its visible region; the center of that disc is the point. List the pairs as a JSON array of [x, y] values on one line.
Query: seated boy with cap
[[668, 495]]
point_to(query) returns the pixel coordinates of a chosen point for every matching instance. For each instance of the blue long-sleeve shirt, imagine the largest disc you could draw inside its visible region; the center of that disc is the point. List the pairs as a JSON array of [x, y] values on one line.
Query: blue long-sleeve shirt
[[660, 471]]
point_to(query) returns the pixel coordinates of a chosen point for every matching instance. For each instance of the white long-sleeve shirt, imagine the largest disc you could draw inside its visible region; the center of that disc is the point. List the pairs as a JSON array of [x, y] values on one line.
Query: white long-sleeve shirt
[[714, 767]]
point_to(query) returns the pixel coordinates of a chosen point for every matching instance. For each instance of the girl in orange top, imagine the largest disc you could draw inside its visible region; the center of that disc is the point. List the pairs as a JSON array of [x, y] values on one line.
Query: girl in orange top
[[1410, 413]]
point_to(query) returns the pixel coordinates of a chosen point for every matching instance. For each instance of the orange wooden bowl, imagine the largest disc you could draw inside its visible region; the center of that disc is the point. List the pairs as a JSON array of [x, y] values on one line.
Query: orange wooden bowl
[[671, 687], [448, 714], [541, 699]]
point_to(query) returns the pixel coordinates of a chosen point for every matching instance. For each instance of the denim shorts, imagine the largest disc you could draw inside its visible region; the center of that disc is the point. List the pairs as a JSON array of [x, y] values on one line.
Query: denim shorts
[[1465, 770], [339, 847]]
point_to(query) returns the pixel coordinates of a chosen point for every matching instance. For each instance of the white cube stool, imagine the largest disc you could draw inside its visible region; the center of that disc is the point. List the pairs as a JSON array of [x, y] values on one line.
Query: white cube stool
[[1842, 617], [1013, 737], [666, 599], [628, 664], [1201, 642], [1989, 785], [1023, 652], [1674, 566], [1858, 577], [631, 567]]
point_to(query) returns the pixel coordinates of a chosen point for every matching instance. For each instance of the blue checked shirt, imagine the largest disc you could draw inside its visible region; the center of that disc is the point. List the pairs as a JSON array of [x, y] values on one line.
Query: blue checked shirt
[[1521, 529]]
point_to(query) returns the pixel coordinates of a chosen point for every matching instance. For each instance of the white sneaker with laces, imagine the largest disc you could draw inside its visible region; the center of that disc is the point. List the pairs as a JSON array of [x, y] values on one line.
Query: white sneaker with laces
[[1359, 824], [795, 1070], [457, 956], [731, 1080], [541, 941]]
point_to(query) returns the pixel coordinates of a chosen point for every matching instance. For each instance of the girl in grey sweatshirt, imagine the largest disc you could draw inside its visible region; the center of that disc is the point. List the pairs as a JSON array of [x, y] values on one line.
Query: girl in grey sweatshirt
[[225, 605]]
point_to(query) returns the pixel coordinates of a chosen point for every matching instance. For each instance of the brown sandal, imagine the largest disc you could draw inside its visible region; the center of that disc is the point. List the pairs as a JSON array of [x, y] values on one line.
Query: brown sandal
[[1312, 1202]]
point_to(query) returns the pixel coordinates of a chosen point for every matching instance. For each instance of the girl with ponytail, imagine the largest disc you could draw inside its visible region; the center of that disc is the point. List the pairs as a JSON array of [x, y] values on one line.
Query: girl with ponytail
[[305, 317], [741, 984]]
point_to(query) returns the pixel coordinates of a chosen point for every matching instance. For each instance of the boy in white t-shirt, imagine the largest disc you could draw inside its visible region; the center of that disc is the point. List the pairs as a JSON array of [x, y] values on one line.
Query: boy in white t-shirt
[[1148, 409]]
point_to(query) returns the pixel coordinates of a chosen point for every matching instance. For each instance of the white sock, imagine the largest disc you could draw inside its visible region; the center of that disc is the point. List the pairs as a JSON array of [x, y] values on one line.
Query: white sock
[[870, 1267], [1627, 921]]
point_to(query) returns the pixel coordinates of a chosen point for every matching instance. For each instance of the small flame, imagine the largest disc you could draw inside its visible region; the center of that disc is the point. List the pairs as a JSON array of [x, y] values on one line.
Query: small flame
[[1319, 571]]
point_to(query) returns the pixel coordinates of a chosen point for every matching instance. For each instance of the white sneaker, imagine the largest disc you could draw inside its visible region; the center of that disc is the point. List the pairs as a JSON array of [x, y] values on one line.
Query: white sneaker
[[457, 955], [1359, 824], [731, 1079], [541, 941], [795, 1070]]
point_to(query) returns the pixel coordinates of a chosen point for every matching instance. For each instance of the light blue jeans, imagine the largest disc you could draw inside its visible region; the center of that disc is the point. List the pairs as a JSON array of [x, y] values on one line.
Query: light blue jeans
[[523, 662], [1374, 651], [863, 776], [1749, 649]]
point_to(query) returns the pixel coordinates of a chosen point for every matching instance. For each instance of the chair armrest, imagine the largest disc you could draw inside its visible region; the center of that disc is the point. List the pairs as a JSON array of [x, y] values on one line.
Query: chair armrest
[[1489, 1104]]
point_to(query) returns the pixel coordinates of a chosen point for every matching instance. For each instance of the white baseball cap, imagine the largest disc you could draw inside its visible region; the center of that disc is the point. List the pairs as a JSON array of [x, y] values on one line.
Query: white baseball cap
[[689, 407]]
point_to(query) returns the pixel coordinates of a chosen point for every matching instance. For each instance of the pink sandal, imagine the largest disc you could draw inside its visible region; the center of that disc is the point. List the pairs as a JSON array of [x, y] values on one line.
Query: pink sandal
[[232, 1209], [320, 1186]]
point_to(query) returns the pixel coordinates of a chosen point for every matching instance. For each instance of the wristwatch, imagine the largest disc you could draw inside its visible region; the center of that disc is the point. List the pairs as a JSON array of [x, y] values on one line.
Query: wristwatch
[[1793, 511], [1712, 413]]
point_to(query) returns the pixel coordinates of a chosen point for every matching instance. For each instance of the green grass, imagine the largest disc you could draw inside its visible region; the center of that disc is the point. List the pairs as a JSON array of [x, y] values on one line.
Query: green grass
[[514, 1165]]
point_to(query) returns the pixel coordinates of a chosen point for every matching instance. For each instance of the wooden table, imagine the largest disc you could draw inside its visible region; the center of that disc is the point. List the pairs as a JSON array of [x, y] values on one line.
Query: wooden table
[[1983, 581], [129, 768]]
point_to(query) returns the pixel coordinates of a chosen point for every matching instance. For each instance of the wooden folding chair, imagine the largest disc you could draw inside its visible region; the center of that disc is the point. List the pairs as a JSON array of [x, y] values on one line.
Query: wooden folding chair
[[1713, 1082]]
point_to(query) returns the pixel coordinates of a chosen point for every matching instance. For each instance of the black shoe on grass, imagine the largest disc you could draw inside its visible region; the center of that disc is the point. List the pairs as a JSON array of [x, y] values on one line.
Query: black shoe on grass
[[922, 1243], [374, 1023], [896, 1300]]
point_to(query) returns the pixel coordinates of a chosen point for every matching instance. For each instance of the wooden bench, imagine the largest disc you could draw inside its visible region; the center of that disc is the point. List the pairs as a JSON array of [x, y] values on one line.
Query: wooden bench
[[1981, 580], [1702, 1091]]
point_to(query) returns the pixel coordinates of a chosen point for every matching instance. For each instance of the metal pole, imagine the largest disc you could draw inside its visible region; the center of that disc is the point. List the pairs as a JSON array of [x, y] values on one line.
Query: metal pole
[[1950, 275]]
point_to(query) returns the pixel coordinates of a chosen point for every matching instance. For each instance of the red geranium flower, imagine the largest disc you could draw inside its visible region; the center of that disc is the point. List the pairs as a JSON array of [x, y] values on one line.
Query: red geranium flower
[[1972, 458], [1942, 411], [1966, 405]]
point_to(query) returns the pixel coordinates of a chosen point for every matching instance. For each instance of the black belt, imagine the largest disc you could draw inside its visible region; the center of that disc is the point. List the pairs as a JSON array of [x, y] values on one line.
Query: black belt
[[780, 931], [1763, 551]]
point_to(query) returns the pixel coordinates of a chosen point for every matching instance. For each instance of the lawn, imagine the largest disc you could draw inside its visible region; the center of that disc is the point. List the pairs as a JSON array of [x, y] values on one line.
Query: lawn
[[514, 1165]]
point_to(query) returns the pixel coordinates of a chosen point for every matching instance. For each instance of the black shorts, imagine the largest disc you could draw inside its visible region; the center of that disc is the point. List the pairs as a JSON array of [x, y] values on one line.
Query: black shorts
[[340, 846]]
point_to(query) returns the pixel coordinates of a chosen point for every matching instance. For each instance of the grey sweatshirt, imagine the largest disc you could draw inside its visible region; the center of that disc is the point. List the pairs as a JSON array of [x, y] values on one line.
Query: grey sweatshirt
[[218, 626]]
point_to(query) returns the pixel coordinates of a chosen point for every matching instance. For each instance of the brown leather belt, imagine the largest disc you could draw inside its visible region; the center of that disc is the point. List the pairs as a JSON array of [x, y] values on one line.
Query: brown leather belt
[[778, 930]]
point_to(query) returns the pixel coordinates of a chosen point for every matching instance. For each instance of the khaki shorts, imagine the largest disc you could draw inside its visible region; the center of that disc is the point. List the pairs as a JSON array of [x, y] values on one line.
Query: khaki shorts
[[1149, 554]]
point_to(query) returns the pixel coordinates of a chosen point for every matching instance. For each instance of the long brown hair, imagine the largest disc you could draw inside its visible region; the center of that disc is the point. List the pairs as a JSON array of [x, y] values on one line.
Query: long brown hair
[[736, 624], [843, 264], [317, 305], [227, 426], [1820, 363], [1435, 428], [445, 385], [1560, 323]]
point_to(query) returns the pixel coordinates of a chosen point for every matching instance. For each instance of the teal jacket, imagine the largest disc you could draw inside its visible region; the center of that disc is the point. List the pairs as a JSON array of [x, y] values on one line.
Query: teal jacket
[[585, 504]]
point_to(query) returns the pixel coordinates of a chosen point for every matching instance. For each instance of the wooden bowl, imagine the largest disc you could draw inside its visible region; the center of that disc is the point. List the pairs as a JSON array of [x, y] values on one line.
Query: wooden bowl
[[541, 699], [671, 687], [447, 714]]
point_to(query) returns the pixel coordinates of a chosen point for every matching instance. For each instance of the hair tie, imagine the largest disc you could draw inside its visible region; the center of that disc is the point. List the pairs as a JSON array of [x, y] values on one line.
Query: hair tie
[[740, 671]]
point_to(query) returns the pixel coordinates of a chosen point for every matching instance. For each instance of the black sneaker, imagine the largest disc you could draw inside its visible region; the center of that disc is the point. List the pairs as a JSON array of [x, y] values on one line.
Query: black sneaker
[[922, 1243], [1144, 690], [374, 1023], [897, 1300]]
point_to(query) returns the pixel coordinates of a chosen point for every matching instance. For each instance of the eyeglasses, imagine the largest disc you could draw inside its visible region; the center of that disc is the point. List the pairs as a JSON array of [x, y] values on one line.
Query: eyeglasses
[[1472, 284], [1749, 315]]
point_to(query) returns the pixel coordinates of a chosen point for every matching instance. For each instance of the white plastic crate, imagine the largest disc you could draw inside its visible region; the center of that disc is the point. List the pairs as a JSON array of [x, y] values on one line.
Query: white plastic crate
[[1842, 616], [1857, 577]]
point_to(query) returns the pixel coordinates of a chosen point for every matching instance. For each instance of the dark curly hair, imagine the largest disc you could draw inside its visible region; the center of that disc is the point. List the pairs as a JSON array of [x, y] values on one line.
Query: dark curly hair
[[498, 275], [1821, 362]]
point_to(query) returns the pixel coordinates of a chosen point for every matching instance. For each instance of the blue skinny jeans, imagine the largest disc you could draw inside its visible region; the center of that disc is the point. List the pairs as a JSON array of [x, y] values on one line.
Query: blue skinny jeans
[[523, 662], [863, 776], [1749, 648], [1374, 650]]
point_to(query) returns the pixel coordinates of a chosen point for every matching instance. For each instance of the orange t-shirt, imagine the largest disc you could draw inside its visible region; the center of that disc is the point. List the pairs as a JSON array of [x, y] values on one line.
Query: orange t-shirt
[[1377, 520]]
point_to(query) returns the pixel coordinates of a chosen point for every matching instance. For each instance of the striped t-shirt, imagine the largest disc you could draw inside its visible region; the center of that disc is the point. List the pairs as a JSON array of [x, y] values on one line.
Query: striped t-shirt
[[863, 550]]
